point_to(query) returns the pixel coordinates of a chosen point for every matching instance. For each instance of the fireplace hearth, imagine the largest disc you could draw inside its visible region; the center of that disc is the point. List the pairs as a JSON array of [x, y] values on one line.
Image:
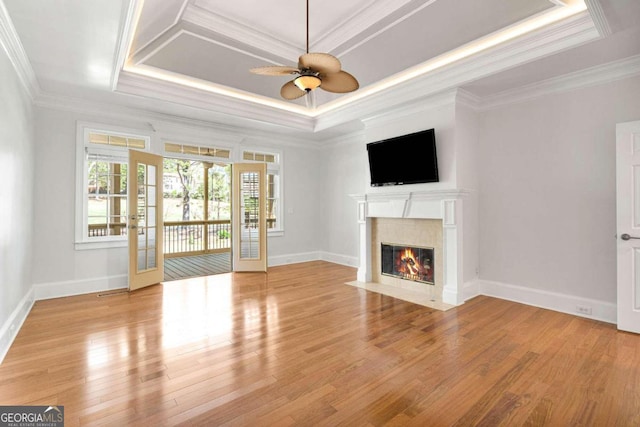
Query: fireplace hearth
[[412, 263]]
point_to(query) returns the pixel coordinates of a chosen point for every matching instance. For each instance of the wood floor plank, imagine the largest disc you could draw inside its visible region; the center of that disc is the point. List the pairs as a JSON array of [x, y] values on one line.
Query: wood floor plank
[[295, 346]]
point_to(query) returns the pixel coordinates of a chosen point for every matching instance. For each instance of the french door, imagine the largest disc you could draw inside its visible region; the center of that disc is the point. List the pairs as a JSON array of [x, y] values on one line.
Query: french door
[[249, 223], [146, 259]]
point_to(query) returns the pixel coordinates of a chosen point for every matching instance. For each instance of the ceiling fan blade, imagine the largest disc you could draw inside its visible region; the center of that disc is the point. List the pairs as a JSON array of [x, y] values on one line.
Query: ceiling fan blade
[[322, 63], [274, 70], [291, 91], [341, 82]]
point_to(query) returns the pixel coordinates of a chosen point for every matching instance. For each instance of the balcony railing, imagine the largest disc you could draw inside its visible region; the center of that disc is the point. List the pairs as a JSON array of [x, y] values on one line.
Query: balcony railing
[[196, 237], [182, 238]]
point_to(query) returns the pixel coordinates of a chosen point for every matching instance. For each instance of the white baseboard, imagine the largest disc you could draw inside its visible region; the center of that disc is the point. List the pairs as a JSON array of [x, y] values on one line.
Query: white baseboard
[[603, 311], [293, 258], [349, 261], [78, 287], [13, 324]]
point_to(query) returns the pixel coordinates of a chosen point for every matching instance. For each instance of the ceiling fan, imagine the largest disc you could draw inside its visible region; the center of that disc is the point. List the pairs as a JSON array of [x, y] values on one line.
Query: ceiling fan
[[314, 70]]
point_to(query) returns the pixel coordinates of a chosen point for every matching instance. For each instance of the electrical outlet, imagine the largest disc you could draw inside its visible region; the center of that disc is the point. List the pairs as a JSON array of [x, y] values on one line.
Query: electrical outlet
[[583, 309]]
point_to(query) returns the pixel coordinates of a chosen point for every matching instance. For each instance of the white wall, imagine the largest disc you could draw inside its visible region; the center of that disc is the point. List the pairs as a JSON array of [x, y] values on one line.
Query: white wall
[[60, 269], [346, 170], [547, 194], [16, 202], [420, 117], [301, 211]]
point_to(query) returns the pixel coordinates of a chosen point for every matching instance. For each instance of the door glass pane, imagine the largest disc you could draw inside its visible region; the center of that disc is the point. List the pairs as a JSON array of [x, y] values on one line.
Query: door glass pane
[[151, 175], [151, 215], [141, 174], [142, 259], [151, 195], [151, 237], [146, 217], [142, 238], [151, 259], [249, 215]]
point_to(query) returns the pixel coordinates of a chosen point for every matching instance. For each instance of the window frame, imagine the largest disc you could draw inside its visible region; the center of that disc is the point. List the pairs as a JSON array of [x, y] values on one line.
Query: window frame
[[275, 168], [82, 240]]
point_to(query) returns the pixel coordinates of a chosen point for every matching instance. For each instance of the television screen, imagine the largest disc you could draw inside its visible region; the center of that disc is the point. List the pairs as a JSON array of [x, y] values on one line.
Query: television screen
[[407, 159]]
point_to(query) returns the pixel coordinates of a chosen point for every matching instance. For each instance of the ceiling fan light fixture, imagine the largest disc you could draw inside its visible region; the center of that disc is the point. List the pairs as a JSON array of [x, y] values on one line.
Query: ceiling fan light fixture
[[307, 82]]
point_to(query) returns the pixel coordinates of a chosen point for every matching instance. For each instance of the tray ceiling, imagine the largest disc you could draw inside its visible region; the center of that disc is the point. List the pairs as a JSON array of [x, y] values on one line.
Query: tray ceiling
[[192, 58], [215, 42]]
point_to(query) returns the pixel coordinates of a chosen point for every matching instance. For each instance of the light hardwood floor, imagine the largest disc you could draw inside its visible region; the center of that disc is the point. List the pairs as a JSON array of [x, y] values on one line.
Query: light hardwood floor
[[298, 347]]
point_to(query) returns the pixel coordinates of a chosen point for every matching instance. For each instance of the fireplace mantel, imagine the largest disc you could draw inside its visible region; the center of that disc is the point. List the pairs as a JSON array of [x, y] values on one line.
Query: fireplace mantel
[[446, 205]]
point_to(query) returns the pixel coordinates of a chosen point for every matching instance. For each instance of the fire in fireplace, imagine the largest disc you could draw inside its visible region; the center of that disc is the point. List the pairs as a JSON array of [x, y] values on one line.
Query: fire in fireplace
[[408, 262]]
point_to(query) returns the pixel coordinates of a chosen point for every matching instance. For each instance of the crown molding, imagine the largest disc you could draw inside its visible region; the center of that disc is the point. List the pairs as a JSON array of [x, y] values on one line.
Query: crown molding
[[415, 106], [546, 41], [350, 138], [136, 84], [612, 71], [468, 99], [599, 18], [240, 32], [169, 123], [10, 41], [125, 38], [424, 80]]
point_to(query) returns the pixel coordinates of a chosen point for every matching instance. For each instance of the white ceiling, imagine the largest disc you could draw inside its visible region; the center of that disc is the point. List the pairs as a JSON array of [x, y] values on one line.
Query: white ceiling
[[161, 54]]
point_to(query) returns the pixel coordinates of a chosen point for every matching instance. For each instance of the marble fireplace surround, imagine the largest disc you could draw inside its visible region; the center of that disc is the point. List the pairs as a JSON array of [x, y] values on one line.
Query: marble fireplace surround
[[445, 205]]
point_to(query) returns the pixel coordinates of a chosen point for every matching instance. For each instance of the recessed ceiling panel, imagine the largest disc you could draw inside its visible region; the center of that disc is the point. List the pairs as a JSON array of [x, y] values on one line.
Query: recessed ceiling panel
[[194, 57], [286, 19], [432, 31], [157, 16]]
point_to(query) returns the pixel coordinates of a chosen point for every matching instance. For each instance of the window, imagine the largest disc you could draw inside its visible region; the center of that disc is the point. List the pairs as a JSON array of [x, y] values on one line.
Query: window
[[222, 153], [274, 197], [106, 188], [101, 188]]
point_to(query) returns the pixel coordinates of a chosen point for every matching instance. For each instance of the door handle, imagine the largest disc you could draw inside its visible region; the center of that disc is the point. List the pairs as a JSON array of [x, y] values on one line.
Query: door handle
[[625, 236]]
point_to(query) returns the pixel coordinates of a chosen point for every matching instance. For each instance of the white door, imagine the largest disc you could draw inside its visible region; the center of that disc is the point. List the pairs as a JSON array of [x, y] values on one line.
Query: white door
[[249, 219], [146, 257], [628, 224]]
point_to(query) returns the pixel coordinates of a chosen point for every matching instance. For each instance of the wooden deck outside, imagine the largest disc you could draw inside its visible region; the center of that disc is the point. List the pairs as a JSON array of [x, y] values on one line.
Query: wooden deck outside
[[194, 266]]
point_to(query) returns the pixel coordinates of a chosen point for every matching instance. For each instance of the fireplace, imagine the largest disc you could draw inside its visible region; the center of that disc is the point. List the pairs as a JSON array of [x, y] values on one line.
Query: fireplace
[[408, 262], [422, 220]]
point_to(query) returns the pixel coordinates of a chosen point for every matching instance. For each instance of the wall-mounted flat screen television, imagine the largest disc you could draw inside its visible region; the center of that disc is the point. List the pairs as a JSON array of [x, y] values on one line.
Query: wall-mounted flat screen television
[[407, 159]]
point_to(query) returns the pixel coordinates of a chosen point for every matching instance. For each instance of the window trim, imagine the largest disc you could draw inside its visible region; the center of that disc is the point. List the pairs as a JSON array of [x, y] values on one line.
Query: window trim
[[200, 144], [81, 239], [273, 167]]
